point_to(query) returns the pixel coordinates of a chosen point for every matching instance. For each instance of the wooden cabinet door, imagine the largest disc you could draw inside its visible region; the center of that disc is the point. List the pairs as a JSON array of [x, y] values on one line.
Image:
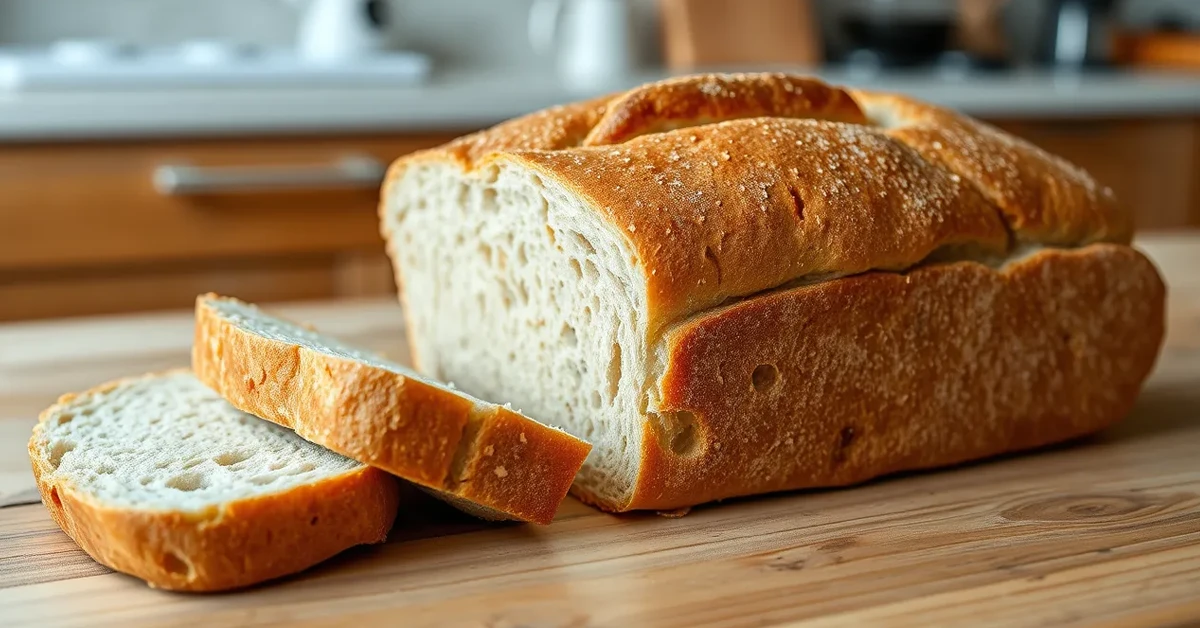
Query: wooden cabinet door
[[86, 228], [1151, 164]]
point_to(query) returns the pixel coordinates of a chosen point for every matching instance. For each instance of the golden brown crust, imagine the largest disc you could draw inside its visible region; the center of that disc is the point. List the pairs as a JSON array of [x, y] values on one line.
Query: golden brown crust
[[701, 206], [246, 542], [1043, 198], [399, 424], [555, 128], [883, 372], [687, 102], [512, 459]]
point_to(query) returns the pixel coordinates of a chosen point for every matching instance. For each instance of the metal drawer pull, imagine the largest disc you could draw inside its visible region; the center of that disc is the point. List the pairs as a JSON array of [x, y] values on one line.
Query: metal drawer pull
[[354, 171]]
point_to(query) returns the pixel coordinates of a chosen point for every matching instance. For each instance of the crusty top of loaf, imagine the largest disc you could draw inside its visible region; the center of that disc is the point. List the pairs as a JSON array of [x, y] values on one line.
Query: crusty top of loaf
[[727, 185]]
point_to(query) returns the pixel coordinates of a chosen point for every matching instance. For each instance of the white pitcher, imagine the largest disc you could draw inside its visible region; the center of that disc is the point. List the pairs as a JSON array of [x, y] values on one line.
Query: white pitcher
[[590, 39], [338, 30]]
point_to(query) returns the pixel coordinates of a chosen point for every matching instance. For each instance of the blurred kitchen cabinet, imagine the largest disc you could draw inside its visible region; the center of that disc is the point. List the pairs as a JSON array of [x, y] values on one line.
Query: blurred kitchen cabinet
[[96, 227], [1153, 165], [716, 33]]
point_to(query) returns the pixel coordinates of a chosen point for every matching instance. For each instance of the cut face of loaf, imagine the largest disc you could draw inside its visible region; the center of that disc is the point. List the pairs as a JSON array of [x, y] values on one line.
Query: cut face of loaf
[[486, 459], [160, 478], [587, 262]]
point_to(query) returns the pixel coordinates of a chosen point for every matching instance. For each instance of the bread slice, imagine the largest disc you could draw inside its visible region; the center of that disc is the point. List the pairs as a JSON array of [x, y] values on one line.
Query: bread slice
[[481, 457], [160, 478], [678, 274]]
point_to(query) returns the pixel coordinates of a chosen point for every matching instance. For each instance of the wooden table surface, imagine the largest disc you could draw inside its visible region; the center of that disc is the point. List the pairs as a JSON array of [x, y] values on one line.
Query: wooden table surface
[[1106, 530]]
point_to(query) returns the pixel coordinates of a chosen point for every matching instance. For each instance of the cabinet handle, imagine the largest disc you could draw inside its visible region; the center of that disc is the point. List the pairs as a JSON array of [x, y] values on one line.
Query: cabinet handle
[[350, 172]]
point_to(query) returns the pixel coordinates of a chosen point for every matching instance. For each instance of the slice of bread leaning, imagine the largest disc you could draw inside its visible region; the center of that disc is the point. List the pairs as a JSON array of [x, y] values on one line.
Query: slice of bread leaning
[[158, 477], [481, 457], [734, 284]]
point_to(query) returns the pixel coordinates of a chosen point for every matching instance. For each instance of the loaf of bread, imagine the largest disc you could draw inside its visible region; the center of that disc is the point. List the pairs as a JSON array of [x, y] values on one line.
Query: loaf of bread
[[749, 283], [158, 477], [486, 459]]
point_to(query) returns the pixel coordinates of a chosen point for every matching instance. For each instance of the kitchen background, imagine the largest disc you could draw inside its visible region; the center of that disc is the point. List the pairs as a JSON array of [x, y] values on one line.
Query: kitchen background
[[154, 149]]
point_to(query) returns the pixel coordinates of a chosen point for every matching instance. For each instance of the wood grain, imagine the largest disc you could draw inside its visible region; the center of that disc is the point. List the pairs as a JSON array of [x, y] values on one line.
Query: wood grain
[[1105, 531]]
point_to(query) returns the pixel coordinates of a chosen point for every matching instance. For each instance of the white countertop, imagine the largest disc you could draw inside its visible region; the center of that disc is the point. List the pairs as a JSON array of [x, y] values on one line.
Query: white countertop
[[458, 101]]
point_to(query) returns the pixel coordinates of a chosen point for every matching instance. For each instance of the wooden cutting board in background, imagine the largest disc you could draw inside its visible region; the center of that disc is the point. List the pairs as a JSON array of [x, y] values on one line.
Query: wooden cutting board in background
[[714, 33]]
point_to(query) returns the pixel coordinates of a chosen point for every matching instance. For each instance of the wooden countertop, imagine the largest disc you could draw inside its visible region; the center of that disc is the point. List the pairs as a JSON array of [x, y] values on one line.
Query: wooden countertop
[[1104, 530]]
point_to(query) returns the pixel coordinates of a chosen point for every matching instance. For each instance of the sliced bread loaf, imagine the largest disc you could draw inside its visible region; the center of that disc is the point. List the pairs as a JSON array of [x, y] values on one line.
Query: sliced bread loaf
[[484, 458], [160, 478], [734, 284]]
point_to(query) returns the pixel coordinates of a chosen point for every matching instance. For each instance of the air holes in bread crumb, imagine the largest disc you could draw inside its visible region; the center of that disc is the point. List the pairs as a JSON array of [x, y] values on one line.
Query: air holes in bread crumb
[[569, 337], [764, 377], [177, 565], [187, 482], [58, 450], [491, 174], [676, 430], [595, 400], [486, 251], [487, 201], [304, 467], [63, 419], [583, 244], [230, 458], [578, 270], [506, 296], [614, 371]]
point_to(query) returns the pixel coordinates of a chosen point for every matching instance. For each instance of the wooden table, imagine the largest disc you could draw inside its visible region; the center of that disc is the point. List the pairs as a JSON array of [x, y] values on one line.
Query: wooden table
[[1102, 531]]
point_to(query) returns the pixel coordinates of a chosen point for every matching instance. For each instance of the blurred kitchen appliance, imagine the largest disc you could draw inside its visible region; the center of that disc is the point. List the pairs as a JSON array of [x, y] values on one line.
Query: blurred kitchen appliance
[[336, 30], [889, 33], [1078, 34], [589, 38], [725, 33]]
